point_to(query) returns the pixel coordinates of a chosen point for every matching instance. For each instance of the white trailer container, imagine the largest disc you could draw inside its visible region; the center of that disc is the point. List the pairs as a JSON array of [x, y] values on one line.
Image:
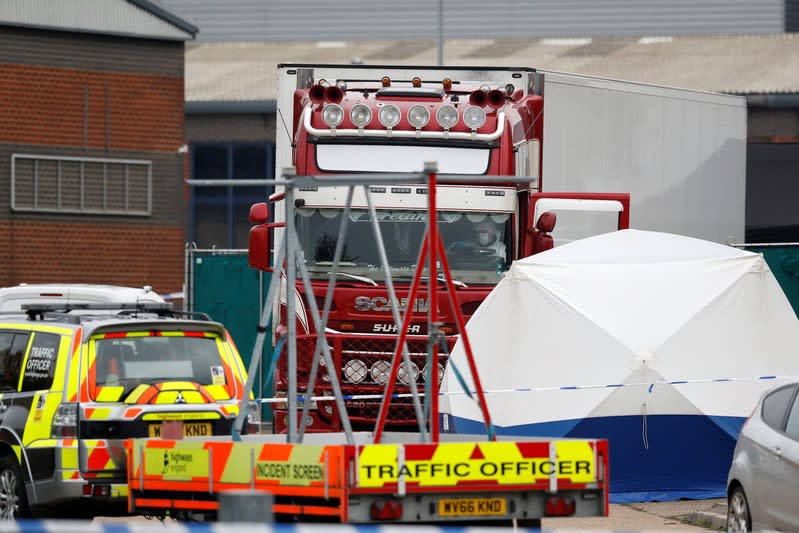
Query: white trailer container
[[681, 154]]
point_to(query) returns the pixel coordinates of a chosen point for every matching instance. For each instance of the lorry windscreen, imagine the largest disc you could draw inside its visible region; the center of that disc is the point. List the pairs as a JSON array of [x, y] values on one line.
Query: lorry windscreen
[[400, 158], [478, 243]]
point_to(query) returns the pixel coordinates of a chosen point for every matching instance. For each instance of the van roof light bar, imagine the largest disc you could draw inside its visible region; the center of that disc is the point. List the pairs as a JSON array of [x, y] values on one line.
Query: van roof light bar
[[147, 306], [37, 310]]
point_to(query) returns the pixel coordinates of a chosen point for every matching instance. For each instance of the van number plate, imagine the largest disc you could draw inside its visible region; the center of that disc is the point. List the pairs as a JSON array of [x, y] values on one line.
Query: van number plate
[[472, 507], [190, 429]]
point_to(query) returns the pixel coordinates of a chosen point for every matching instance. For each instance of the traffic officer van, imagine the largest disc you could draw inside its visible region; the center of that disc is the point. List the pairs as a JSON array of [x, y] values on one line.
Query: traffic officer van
[[77, 379]]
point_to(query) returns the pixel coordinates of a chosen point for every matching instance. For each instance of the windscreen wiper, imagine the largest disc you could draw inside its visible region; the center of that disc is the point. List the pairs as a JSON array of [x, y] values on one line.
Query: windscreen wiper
[[442, 279], [356, 277]]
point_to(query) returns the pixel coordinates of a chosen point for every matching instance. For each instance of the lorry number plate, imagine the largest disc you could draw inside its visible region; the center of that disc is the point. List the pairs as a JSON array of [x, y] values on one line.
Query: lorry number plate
[[472, 507], [190, 429]]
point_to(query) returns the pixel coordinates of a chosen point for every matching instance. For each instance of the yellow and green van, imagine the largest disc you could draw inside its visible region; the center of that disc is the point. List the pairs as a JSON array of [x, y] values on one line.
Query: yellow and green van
[[77, 380]]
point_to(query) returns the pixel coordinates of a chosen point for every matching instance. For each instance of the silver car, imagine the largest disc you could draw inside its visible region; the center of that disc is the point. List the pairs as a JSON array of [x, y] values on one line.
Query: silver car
[[763, 483]]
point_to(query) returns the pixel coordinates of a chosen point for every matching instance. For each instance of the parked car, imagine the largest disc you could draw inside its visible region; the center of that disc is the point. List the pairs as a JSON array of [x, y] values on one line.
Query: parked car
[[763, 482]]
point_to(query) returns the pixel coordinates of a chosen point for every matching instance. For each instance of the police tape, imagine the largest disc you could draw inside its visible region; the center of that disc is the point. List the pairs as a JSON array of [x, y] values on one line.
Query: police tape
[[139, 526], [650, 385]]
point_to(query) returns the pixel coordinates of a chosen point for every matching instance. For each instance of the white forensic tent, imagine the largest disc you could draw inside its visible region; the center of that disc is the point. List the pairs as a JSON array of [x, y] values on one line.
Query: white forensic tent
[[599, 331]]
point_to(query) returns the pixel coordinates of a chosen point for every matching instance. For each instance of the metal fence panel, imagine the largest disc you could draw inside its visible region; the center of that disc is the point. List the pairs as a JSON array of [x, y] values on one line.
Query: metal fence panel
[[222, 284]]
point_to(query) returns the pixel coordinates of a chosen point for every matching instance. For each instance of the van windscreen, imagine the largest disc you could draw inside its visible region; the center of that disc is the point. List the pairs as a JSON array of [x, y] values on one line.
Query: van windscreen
[[130, 360]]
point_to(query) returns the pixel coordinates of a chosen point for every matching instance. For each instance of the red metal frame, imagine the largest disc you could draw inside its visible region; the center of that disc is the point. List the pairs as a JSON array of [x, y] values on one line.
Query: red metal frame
[[430, 245]]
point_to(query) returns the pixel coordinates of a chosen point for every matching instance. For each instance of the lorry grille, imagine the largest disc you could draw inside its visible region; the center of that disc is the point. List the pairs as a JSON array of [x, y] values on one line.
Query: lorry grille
[[362, 364]]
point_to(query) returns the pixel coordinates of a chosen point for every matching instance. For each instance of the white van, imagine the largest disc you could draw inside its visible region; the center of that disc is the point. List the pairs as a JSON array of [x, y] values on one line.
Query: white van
[[12, 298]]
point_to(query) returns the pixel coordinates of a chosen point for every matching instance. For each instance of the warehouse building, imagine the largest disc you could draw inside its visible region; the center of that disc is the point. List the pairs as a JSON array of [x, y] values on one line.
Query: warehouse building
[[91, 143]]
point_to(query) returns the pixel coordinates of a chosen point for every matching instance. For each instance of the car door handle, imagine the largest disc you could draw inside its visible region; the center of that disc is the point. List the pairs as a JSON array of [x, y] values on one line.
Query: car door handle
[[777, 451], [3, 407]]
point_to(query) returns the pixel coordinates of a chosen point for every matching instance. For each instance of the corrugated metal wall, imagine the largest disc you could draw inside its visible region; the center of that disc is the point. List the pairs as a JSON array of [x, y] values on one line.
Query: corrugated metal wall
[[303, 20], [82, 51], [97, 16]]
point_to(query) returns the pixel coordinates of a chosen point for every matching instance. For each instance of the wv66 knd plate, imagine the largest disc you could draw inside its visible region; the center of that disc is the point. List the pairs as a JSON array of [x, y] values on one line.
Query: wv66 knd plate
[[190, 429], [472, 507]]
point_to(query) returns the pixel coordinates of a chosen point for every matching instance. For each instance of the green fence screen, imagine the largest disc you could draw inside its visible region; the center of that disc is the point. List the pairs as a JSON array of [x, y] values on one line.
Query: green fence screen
[[784, 263], [224, 286]]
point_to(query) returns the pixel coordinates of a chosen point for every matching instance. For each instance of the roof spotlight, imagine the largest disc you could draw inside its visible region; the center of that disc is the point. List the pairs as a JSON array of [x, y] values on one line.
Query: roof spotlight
[[474, 117], [332, 115], [447, 116], [360, 115], [418, 116], [389, 115]]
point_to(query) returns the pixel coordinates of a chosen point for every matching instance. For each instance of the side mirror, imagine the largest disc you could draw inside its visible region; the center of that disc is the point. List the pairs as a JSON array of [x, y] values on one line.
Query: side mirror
[[259, 242], [539, 226], [258, 250], [546, 222], [259, 213]]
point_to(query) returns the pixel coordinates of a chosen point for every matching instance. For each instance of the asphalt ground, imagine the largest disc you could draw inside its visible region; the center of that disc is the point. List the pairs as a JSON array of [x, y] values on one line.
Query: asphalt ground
[[680, 515], [697, 515]]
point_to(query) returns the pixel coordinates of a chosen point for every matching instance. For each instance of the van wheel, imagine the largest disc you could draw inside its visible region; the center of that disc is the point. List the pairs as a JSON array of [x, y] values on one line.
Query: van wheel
[[13, 501], [738, 518]]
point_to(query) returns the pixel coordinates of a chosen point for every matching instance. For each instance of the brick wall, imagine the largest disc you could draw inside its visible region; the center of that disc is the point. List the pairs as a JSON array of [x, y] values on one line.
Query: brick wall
[[73, 94], [40, 252], [51, 106]]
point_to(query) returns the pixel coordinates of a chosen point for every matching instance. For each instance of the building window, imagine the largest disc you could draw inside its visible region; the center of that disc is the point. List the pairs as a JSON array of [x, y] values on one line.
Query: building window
[[219, 214], [81, 185]]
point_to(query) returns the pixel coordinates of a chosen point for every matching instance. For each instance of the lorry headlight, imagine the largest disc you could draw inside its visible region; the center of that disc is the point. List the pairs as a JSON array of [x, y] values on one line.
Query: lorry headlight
[[360, 115], [355, 371], [323, 373], [380, 371], [440, 372], [332, 115], [418, 116], [474, 117], [407, 374], [389, 115], [447, 116]]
